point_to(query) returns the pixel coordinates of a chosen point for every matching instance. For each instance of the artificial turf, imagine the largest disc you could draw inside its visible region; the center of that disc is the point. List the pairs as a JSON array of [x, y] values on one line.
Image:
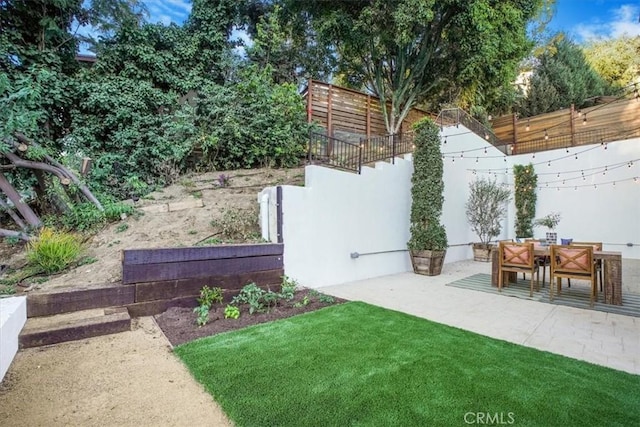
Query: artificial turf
[[357, 364]]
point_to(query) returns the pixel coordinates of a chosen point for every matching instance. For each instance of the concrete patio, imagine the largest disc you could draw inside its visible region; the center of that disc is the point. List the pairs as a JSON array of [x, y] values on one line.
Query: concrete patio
[[606, 339]]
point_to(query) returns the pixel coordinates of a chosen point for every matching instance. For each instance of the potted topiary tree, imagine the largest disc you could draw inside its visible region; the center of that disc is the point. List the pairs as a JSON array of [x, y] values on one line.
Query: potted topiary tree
[[428, 242], [485, 208]]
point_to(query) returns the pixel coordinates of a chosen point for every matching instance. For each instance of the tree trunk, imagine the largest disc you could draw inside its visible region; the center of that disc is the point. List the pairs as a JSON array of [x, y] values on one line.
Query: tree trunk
[[24, 209], [10, 233], [16, 218], [83, 188]]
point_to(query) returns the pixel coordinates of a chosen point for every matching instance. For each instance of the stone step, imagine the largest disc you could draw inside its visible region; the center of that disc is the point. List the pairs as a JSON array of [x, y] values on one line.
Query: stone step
[[40, 331]]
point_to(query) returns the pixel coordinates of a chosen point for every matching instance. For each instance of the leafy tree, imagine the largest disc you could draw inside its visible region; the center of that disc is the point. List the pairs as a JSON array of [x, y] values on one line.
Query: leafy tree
[[617, 60], [38, 43], [562, 77], [411, 51]]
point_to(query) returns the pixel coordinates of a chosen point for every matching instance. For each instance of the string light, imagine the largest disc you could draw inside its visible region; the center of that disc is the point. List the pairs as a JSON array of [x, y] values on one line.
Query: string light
[[584, 120], [546, 135], [528, 127]]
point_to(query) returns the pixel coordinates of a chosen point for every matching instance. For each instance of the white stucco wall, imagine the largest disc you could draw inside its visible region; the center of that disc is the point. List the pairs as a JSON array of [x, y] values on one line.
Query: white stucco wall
[[339, 213], [13, 315], [592, 209]]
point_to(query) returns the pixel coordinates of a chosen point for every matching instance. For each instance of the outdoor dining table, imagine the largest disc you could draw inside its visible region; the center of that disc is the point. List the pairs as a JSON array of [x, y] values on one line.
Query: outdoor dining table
[[611, 268]]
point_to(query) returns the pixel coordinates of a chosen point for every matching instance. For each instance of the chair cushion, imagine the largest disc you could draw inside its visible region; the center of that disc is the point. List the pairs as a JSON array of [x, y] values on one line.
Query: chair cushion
[[566, 241], [579, 263]]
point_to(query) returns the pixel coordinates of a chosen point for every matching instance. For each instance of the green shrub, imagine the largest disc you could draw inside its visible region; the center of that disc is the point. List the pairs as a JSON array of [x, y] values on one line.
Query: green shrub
[[253, 295], [288, 288], [202, 314], [231, 312], [53, 251], [210, 296]]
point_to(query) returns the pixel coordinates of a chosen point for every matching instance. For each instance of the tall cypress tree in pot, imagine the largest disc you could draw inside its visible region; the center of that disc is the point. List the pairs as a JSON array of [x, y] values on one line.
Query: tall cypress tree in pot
[[428, 242]]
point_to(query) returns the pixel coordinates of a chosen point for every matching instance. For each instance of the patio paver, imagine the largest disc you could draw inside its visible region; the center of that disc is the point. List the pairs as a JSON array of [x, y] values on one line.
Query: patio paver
[[607, 339]]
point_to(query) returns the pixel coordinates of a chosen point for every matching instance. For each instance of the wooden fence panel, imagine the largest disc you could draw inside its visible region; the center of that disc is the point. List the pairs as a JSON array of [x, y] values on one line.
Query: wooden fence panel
[[337, 108], [616, 120]]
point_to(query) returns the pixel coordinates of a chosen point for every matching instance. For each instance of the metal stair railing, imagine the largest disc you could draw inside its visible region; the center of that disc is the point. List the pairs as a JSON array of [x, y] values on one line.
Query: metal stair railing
[[457, 116], [340, 154]]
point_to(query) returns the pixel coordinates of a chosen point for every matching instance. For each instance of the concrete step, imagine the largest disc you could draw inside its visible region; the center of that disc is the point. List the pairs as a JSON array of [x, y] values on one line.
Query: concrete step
[[40, 331]]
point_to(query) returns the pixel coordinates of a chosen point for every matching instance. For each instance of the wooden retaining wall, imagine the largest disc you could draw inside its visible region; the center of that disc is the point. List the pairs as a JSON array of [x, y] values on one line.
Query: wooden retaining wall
[[156, 279], [340, 109]]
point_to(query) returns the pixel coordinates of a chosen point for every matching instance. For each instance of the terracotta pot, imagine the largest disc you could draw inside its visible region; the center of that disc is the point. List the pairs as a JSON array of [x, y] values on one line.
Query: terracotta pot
[[428, 263]]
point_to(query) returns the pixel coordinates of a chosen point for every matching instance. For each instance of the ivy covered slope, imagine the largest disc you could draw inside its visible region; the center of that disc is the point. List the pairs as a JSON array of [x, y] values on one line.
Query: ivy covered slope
[[158, 101]]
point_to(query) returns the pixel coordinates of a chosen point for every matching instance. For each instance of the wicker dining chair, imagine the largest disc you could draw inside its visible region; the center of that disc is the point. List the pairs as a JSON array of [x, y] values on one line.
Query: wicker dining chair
[[572, 262], [516, 258]]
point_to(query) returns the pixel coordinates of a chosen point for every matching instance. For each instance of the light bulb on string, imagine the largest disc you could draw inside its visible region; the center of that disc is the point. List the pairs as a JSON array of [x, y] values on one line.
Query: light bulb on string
[[462, 154], [485, 150], [584, 120], [576, 156], [528, 127], [445, 140], [476, 160], [558, 174], [549, 164], [567, 149], [546, 135], [614, 183]]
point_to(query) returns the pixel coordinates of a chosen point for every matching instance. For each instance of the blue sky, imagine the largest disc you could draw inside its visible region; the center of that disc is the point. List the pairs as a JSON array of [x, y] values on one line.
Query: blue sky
[[581, 19]]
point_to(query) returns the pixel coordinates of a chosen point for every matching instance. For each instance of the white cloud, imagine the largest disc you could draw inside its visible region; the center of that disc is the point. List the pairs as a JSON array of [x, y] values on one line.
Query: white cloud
[[624, 20]]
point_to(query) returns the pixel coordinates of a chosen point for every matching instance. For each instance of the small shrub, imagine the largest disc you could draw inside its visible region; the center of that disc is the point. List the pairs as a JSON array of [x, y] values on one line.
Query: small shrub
[[288, 288], [11, 240], [53, 251], [231, 312], [326, 299], [202, 314], [253, 295], [224, 180], [209, 296], [239, 224], [122, 227], [305, 301], [87, 260]]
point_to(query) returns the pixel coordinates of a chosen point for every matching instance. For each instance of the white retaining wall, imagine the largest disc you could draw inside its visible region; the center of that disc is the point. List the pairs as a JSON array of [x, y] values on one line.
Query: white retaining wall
[[13, 315], [342, 227]]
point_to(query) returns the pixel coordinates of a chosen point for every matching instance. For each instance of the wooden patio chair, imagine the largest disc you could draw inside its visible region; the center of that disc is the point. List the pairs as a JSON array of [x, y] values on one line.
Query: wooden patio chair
[[516, 258], [597, 246], [541, 261], [572, 262]]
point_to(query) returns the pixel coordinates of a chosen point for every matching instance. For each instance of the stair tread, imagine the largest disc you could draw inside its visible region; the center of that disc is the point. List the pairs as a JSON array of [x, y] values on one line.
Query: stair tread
[[73, 320]]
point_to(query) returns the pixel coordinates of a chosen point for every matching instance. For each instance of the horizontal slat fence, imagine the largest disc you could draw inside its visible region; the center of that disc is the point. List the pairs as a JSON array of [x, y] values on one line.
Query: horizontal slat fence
[[174, 276], [613, 121], [340, 109]]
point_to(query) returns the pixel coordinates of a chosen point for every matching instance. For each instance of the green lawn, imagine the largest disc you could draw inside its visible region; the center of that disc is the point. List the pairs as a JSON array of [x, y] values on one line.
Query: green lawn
[[357, 364]]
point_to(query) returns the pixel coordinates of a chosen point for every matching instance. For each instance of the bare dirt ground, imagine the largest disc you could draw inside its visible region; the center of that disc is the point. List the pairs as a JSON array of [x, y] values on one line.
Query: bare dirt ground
[[127, 379], [130, 378], [156, 229]]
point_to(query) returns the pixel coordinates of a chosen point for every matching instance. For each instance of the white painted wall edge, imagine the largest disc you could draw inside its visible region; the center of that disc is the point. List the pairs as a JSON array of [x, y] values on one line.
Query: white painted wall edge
[[13, 316]]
